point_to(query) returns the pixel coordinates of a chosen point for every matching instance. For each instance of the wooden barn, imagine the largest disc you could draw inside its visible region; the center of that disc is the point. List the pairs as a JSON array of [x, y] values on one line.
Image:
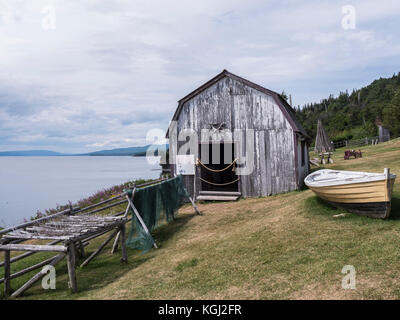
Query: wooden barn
[[229, 103]]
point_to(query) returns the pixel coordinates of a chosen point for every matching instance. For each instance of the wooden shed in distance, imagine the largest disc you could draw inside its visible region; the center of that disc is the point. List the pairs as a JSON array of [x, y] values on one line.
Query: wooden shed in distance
[[228, 102]]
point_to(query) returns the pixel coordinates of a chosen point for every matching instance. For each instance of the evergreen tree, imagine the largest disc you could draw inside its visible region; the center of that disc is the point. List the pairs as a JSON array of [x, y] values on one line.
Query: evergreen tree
[[354, 116], [391, 115]]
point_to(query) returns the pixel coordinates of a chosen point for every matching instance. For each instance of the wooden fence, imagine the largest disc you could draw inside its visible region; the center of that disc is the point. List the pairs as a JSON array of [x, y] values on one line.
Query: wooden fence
[[355, 143], [70, 232]]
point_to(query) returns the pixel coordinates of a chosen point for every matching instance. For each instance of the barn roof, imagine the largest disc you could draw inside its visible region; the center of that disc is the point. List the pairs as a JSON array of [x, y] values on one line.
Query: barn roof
[[286, 109]]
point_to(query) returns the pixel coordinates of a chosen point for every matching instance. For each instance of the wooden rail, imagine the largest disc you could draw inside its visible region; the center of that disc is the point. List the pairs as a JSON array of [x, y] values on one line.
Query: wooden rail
[[74, 228]]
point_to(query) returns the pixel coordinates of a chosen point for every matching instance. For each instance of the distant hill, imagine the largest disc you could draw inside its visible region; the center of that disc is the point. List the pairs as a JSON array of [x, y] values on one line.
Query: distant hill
[[31, 153], [354, 115], [132, 151], [121, 151]]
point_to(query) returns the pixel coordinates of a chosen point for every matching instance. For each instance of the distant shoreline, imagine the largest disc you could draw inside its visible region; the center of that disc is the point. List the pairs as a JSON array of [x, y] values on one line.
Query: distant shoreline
[[77, 155], [129, 152]]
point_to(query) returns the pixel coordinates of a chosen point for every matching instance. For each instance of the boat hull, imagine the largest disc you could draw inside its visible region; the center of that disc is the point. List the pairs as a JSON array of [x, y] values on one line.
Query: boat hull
[[372, 199], [377, 210]]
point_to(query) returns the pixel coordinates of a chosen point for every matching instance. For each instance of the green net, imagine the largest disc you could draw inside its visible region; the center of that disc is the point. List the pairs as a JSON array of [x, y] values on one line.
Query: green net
[[155, 204]]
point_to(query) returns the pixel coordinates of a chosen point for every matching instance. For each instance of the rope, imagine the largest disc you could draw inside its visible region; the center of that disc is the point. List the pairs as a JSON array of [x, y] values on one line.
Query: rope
[[220, 170], [219, 184]]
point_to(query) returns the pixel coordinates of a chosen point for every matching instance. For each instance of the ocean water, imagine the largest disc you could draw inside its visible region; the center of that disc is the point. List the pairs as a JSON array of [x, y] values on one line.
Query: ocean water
[[28, 184]]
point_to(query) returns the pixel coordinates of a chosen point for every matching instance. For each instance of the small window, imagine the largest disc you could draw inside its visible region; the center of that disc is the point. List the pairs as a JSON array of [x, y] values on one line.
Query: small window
[[303, 153]]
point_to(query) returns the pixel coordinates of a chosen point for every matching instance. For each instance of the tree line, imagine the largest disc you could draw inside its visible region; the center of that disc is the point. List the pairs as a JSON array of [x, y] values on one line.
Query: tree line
[[356, 115]]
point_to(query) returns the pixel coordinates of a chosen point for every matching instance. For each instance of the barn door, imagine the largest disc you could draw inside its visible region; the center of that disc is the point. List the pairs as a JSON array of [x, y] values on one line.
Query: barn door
[[219, 172]]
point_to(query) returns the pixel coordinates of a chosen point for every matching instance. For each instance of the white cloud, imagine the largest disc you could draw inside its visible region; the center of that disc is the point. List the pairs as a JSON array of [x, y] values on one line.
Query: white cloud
[[111, 70]]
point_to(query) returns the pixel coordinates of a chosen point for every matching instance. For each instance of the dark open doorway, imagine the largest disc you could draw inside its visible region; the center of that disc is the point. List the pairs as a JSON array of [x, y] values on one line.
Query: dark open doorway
[[217, 171]]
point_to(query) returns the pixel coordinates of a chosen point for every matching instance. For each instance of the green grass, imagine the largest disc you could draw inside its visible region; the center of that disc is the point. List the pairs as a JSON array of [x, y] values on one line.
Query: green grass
[[287, 246], [186, 264]]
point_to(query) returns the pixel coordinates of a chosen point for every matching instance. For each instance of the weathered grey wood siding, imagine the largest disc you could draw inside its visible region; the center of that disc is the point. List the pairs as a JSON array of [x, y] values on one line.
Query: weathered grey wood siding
[[239, 106]]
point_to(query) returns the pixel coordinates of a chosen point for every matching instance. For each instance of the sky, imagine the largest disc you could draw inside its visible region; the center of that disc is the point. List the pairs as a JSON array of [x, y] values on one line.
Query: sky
[[87, 75]]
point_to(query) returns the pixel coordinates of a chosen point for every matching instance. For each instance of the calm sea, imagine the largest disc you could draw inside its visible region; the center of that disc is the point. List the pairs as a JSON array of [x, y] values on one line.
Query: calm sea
[[28, 184]]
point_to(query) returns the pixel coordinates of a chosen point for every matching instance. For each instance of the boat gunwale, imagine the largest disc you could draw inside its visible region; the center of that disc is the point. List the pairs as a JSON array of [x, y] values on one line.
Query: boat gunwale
[[369, 177]]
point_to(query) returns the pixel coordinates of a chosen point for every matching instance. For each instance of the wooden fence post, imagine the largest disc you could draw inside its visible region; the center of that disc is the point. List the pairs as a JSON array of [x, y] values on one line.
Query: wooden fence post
[[116, 241], [71, 262], [7, 273]]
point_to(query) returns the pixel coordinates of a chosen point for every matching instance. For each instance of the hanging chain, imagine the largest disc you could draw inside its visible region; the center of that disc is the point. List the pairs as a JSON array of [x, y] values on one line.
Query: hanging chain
[[220, 170], [220, 184]]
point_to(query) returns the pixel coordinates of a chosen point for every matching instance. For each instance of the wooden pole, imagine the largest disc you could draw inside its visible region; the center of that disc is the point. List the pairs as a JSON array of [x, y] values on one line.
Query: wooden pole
[[71, 260], [7, 272], [33, 247], [123, 244], [195, 206], [102, 202], [141, 221], [116, 241], [115, 244], [36, 277], [27, 254], [106, 207], [90, 258], [150, 183]]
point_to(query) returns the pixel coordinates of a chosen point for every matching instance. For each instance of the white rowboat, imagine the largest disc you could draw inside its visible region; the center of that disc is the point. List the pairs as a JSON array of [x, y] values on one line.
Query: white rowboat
[[363, 193]]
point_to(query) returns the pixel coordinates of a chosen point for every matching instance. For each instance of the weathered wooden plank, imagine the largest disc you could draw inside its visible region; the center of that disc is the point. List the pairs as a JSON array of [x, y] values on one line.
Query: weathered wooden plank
[[103, 230], [262, 164], [268, 164], [48, 231], [27, 254], [36, 221], [217, 198], [227, 193], [35, 237], [32, 247], [83, 218]]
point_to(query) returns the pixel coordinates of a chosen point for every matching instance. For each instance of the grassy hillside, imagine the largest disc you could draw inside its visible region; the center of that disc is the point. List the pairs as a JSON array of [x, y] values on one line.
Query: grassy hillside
[[287, 246], [353, 115]]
